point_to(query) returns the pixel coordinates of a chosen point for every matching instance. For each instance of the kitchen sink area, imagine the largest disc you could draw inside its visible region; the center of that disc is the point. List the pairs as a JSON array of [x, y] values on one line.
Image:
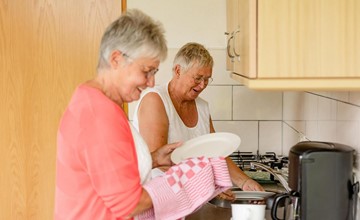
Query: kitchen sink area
[[210, 211], [269, 170]]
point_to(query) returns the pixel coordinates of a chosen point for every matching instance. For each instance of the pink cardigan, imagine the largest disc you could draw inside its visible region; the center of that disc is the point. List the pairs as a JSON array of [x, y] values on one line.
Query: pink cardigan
[[96, 168]]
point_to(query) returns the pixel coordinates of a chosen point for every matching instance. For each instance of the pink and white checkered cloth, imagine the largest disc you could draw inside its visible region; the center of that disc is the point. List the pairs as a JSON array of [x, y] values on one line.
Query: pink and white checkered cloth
[[185, 187]]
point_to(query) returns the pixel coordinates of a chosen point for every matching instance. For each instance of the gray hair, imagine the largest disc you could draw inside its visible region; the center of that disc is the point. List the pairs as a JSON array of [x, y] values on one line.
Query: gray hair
[[193, 53], [135, 34]]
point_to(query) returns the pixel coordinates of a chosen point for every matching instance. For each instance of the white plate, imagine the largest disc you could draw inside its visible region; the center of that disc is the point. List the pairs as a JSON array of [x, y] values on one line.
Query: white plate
[[208, 145], [252, 194]]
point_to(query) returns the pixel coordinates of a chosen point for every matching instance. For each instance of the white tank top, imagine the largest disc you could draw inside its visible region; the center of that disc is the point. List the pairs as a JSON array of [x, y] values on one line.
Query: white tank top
[[143, 156], [178, 131]]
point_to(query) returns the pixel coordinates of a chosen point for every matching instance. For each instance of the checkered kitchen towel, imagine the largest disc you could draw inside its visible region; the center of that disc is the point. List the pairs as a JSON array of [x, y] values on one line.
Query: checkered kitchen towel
[[185, 187]]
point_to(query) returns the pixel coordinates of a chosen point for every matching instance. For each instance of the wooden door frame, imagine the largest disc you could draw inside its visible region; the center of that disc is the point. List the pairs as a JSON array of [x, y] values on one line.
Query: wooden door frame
[[123, 5], [123, 9]]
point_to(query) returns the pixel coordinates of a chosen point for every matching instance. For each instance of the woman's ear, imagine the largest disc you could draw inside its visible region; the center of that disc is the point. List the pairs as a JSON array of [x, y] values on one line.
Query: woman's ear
[[116, 59], [177, 70]]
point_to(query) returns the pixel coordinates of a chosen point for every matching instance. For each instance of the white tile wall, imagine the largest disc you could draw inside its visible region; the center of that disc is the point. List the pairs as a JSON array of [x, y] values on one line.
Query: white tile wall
[[354, 97], [300, 106], [347, 112], [292, 131], [311, 130], [328, 116], [255, 105], [326, 130], [220, 101], [270, 133], [247, 131], [327, 109], [347, 132]]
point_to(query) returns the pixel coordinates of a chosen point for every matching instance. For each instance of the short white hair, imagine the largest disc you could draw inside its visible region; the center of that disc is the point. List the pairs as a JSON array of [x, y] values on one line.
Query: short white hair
[[193, 53], [135, 34]]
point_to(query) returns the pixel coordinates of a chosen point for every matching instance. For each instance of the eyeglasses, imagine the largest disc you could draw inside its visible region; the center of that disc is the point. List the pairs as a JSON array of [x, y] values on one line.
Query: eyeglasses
[[148, 73], [199, 79]]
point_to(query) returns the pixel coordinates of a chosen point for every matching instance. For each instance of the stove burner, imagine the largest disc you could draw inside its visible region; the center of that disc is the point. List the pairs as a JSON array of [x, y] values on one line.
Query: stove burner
[[243, 159]]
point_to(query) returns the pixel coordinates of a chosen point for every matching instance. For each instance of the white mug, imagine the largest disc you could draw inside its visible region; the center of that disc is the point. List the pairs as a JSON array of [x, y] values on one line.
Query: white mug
[[248, 211]]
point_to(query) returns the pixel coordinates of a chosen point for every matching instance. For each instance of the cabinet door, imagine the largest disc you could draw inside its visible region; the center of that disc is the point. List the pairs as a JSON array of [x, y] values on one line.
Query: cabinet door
[[47, 47], [308, 39], [245, 39]]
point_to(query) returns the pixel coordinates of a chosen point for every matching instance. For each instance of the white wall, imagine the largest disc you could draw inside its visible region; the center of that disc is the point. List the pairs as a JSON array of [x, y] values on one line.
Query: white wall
[[188, 20]]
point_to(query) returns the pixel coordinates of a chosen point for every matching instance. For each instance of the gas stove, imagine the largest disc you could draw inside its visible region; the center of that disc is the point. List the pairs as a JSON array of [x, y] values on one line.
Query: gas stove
[[278, 163]]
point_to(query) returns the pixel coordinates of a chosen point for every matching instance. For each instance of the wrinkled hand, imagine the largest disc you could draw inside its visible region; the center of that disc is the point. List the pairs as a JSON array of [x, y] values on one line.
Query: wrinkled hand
[[227, 195], [161, 157], [251, 185]]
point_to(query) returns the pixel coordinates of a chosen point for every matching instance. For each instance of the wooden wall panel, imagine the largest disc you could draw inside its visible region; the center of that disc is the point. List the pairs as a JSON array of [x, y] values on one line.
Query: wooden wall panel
[[47, 47]]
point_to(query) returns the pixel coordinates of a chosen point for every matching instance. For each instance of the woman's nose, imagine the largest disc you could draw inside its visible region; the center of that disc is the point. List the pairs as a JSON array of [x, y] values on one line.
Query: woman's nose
[[202, 84]]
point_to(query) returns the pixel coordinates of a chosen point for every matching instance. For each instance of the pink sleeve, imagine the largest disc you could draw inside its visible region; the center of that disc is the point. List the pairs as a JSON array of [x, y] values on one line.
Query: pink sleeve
[[111, 161]]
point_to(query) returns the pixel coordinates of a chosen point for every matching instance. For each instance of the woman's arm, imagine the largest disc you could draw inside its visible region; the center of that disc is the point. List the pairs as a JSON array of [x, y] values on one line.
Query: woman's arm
[[144, 204], [239, 178], [153, 121]]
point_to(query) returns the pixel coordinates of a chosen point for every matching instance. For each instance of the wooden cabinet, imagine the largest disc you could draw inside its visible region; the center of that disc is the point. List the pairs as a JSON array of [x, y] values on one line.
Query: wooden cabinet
[[282, 44], [47, 48]]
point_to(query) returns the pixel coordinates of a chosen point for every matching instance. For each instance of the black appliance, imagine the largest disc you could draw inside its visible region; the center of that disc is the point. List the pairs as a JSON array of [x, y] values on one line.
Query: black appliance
[[321, 173]]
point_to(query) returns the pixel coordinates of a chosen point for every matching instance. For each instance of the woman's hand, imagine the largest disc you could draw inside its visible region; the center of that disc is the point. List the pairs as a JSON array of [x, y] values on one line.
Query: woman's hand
[[161, 156], [251, 185], [227, 195]]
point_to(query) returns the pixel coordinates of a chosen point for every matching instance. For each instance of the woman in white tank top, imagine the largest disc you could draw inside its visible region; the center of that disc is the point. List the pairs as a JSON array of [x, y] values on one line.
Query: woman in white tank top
[[175, 112]]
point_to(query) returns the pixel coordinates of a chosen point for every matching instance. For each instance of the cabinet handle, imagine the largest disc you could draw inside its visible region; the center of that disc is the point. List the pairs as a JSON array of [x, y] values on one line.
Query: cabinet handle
[[234, 48], [228, 48]]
